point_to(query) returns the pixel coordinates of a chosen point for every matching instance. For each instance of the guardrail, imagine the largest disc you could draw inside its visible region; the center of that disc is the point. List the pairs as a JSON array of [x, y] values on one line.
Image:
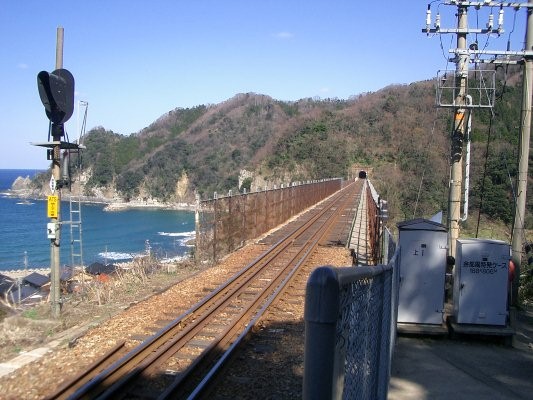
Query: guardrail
[[225, 223], [350, 331]]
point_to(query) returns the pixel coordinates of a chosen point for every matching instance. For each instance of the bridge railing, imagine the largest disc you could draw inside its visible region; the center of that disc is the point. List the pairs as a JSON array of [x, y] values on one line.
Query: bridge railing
[[374, 230], [225, 223], [350, 331]]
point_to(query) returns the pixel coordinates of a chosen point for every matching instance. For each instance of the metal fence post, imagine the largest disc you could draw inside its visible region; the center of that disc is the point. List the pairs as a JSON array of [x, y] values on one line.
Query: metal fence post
[[197, 226], [350, 318], [321, 313], [215, 227]]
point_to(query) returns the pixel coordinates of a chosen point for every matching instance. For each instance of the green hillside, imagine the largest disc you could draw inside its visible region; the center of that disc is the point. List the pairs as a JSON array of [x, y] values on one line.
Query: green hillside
[[397, 132]]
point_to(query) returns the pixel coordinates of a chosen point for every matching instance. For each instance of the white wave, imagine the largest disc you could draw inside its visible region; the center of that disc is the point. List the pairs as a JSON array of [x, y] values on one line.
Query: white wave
[[114, 255], [178, 234], [25, 203], [171, 234]]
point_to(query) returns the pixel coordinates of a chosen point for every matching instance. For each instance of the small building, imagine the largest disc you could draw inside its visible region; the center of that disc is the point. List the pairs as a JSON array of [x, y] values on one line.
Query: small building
[[25, 294], [66, 273], [97, 268], [72, 279], [6, 284], [29, 289], [36, 280]]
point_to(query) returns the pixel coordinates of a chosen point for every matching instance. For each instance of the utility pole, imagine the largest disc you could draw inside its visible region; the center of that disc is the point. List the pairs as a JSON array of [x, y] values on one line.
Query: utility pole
[[523, 157], [462, 103], [56, 91], [458, 134], [55, 289]]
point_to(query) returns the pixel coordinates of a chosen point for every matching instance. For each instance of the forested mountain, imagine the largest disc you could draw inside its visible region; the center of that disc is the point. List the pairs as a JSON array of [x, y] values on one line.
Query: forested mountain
[[396, 132]]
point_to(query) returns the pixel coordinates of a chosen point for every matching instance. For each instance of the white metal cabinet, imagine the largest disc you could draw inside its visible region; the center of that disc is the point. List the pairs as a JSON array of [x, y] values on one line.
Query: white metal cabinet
[[481, 279], [423, 246]]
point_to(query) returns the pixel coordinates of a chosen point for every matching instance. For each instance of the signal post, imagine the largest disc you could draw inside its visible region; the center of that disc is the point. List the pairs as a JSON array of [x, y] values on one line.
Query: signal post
[[56, 90], [55, 214]]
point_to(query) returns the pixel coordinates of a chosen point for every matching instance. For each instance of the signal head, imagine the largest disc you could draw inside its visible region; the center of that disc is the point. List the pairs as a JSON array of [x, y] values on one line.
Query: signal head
[[56, 90]]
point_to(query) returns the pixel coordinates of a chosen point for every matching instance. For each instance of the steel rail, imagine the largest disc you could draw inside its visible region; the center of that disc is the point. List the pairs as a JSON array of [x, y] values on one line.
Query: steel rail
[[232, 333], [115, 376], [161, 339], [302, 257]]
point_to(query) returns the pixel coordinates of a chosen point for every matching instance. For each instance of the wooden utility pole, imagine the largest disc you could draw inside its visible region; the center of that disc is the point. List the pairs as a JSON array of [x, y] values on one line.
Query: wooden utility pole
[[55, 284], [523, 156]]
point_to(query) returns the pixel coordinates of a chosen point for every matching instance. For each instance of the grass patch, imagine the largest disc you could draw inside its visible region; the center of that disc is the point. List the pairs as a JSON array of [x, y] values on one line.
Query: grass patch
[[30, 313]]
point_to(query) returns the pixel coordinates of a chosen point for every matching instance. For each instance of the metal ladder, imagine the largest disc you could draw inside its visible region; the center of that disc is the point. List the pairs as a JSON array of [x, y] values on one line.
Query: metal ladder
[[76, 244]]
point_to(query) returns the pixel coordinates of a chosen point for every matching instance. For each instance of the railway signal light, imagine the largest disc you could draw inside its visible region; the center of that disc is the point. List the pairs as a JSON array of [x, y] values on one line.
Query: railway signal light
[[56, 90]]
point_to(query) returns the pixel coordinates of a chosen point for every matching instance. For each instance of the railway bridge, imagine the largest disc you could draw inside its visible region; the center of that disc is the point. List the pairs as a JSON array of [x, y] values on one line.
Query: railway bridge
[[226, 223], [279, 236]]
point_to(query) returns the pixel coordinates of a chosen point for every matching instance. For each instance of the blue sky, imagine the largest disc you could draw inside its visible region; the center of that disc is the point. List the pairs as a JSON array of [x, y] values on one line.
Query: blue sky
[[134, 60]]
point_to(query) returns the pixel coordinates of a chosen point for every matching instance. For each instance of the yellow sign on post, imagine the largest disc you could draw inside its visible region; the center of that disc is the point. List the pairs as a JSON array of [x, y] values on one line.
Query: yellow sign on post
[[53, 206]]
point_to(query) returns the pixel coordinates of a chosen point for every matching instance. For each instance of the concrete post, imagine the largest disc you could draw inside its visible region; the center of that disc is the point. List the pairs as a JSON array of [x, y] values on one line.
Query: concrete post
[[55, 289], [520, 210], [456, 156]]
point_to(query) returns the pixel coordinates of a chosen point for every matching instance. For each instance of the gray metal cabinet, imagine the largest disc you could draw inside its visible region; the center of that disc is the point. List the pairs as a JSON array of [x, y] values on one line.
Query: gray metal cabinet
[[423, 249], [481, 279]]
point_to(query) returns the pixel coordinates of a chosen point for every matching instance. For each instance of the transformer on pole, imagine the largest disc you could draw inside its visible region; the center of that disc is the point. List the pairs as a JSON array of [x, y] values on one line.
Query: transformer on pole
[[455, 95]]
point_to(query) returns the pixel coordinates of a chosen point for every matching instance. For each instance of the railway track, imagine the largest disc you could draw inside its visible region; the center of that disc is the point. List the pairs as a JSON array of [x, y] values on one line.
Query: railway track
[[180, 360]]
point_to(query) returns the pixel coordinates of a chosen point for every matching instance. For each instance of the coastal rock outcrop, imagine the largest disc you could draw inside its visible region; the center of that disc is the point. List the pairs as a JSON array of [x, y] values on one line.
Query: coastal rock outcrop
[[22, 187], [21, 183]]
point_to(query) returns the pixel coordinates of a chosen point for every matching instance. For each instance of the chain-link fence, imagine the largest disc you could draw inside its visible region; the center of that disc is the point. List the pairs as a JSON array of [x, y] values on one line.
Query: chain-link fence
[[350, 330], [223, 224]]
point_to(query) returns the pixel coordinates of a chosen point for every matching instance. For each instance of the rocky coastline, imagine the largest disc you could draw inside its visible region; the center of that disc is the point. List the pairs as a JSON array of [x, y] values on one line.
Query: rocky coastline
[[114, 205], [22, 188]]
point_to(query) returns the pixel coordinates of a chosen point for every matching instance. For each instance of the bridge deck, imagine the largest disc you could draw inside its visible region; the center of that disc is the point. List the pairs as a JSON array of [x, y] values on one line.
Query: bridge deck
[[359, 240], [350, 232], [341, 232]]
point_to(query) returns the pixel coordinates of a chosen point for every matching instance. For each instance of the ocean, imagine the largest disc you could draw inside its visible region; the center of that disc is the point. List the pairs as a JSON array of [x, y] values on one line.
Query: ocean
[[107, 237]]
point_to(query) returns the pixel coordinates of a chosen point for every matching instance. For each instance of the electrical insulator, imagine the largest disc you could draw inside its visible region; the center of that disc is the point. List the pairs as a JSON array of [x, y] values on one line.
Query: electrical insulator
[[490, 24], [428, 18], [437, 21], [65, 160], [500, 19]]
